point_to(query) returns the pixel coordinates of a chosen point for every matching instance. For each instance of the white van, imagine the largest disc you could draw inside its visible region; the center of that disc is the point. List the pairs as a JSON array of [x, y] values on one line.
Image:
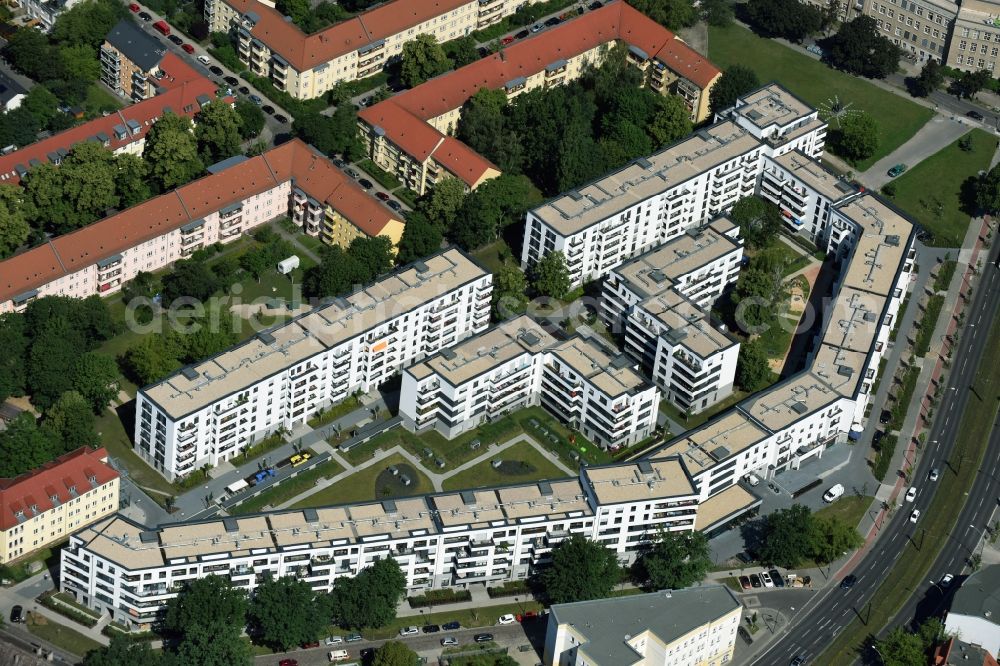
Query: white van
[[338, 655], [833, 494], [752, 479]]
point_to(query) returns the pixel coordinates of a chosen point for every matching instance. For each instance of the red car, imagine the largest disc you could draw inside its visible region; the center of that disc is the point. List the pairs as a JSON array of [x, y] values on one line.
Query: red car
[[507, 41], [288, 662], [134, 8], [310, 645], [382, 196], [187, 48]]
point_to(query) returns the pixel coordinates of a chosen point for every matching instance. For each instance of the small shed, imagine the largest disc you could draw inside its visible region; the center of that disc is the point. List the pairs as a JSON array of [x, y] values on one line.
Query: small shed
[[286, 266]]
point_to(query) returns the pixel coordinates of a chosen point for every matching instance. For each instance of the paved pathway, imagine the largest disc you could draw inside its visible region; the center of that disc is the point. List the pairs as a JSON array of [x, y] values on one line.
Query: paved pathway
[[936, 134], [294, 240]]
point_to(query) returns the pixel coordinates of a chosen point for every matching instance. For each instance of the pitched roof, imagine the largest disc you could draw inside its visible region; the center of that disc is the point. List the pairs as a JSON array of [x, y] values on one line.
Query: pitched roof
[[403, 117], [64, 479], [293, 161], [140, 48], [135, 119], [9, 88]]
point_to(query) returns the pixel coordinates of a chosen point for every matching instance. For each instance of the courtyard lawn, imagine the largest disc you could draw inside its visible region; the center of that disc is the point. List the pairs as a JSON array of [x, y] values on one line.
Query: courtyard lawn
[[932, 190], [63, 637], [849, 508], [372, 483], [286, 490], [99, 99], [490, 256], [119, 445], [695, 420], [558, 438], [898, 118], [521, 463]]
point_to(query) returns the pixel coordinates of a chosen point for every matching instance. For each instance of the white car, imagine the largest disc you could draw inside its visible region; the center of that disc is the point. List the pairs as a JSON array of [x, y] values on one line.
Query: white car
[[409, 631], [935, 474], [766, 579], [449, 640], [334, 640], [506, 619], [915, 516], [946, 581], [911, 494], [204, 60]]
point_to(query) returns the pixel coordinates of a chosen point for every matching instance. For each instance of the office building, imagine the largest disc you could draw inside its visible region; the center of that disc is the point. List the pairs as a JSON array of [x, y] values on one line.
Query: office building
[[206, 413], [237, 195], [974, 616], [691, 627], [920, 27], [654, 199], [47, 504], [410, 134], [517, 364], [975, 37], [449, 539]]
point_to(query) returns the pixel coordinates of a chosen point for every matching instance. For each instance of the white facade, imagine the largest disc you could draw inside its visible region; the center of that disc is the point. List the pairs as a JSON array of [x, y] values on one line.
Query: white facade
[[517, 364], [207, 413], [449, 539], [47, 11], [657, 198]]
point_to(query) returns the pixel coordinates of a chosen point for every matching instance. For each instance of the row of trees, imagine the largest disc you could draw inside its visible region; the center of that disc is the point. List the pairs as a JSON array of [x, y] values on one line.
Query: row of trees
[[788, 537], [564, 136]]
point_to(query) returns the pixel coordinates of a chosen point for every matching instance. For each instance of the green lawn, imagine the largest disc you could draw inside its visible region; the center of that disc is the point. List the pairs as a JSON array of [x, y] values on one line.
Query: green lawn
[[931, 191], [588, 452], [849, 508], [491, 256], [696, 420], [360, 486], [939, 519], [897, 117], [99, 100], [63, 637], [18, 571], [119, 445], [484, 474], [286, 490]]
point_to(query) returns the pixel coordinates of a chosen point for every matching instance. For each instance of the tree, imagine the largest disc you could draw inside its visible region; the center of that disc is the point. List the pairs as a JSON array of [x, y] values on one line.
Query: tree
[[218, 132], [14, 342], [422, 59], [717, 12], [122, 651], [673, 14], [420, 239], [70, 421], [24, 446], [986, 191], [373, 253], [210, 603], [251, 119], [130, 180], [316, 129], [581, 569], [737, 80], [550, 277], [370, 598], [857, 138], [88, 182], [461, 51], [394, 653], [930, 79], [510, 289], [752, 369], [831, 538], [80, 62], [55, 348], [172, 152], [759, 221], [205, 342], [790, 19], [786, 537], [152, 359], [490, 208], [344, 126], [14, 229], [87, 23], [483, 127], [442, 203], [206, 647], [299, 10], [42, 104], [189, 279], [671, 120], [30, 53], [860, 48], [284, 614], [971, 83], [673, 561], [336, 273], [19, 127], [901, 648], [96, 378]]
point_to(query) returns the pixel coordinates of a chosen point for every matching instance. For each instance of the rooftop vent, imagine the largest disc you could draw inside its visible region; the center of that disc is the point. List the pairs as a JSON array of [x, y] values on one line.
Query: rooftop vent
[[189, 373]]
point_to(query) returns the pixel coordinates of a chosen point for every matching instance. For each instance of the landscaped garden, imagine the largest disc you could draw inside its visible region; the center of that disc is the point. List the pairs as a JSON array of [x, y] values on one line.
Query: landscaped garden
[[376, 482], [520, 463]]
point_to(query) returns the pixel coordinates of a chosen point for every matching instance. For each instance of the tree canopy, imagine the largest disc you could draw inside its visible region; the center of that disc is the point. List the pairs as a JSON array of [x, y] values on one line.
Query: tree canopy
[[759, 220], [790, 19], [735, 81], [581, 569], [859, 47], [422, 59], [857, 138], [211, 603], [788, 536], [370, 598], [285, 613], [752, 369], [420, 239], [673, 561], [673, 14], [986, 191], [217, 132], [550, 277], [394, 653], [171, 150]]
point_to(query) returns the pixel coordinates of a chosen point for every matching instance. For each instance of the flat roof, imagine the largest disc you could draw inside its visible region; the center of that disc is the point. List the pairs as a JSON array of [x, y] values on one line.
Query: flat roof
[[484, 506], [658, 269], [841, 369], [483, 352], [772, 105], [256, 359], [593, 361], [881, 244], [607, 627], [687, 325], [644, 480], [854, 319], [642, 179], [717, 440], [721, 506], [791, 400], [815, 175]]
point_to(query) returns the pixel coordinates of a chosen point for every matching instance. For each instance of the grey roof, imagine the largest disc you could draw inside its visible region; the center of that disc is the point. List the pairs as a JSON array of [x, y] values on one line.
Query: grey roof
[[9, 88], [979, 595], [605, 624], [140, 48]]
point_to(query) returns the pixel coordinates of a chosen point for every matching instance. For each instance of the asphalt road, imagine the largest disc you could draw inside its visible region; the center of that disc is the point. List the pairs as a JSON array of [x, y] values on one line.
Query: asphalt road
[[833, 609]]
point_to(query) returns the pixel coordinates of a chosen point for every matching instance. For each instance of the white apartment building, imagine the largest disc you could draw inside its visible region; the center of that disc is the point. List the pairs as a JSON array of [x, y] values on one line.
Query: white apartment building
[[517, 364], [659, 302], [657, 198], [205, 413], [450, 539], [696, 626]]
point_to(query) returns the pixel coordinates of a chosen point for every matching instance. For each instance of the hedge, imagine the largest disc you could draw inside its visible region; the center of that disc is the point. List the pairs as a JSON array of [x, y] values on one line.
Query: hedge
[[437, 597]]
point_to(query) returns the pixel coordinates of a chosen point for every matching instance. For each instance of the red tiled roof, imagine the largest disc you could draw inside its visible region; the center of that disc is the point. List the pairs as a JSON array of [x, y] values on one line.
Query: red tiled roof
[[403, 116], [176, 72], [53, 479], [178, 99], [293, 160]]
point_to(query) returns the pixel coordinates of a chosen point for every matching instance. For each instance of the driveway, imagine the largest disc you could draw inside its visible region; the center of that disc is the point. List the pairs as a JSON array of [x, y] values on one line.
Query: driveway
[[937, 133]]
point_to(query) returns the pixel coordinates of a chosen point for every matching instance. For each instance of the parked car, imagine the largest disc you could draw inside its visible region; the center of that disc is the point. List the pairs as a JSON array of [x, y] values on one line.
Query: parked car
[[288, 662], [16, 614], [176, 40], [798, 661], [595, 5], [310, 645], [334, 640], [755, 581], [256, 100], [812, 48], [409, 631], [537, 27], [833, 494], [897, 170], [745, 635], [244, 90], [451, 626], [449, 640], [393, 204], [506, 619], [766, 579], [145, 17], [365, 183], [935, 474], [848, 582], [947, 579], [554, 21], [280, 119], [975, 115], [231, 80], [203, 59], [382, 196], [354, 638], [885, 416], [133, 8], [268, 109], [745, 582], [431, 628], [507, 41], [338, 655], [483, 638], [915, 516], [776, 578], [187, 48], [911, 494], [522, 34]]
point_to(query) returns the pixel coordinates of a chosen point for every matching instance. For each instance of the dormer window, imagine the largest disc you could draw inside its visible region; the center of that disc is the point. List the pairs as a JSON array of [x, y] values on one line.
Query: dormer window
[[92, 479], [34, 508]]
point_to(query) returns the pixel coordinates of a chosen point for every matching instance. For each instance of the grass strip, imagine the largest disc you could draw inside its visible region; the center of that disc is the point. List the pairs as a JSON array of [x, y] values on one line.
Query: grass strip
[[927, 324], [945, 274], [940, 518]]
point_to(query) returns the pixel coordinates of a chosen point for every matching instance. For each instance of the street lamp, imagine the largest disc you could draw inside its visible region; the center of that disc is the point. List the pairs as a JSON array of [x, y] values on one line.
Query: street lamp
[[881, 658]]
